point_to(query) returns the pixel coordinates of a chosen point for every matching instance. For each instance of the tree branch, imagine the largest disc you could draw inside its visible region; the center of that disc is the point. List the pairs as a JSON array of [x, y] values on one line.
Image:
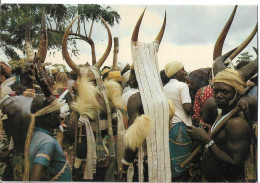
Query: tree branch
[[78, 28], [89, 41], [91, 27], [84, 25], [48, 20]]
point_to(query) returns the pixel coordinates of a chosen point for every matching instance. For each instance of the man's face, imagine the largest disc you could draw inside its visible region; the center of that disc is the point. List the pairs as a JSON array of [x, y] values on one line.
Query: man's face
[[181, 75], [223, 93]]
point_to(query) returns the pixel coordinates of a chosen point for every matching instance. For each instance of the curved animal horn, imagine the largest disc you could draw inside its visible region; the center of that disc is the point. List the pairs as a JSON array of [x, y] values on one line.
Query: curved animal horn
[[244, 43], [65, 52], [137, 26], [248, 70], [219, 65], [160, 35], [43, 44], [109, 45], [221, 38]]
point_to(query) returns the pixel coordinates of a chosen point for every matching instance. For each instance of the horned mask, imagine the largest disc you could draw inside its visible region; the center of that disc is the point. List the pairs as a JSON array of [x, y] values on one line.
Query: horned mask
[[71, 63], [245, 72], [155, 104]]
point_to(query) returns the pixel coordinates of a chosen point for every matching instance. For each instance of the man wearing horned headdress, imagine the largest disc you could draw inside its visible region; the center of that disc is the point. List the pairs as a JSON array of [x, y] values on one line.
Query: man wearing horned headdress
[[148, 111], [97, 104], [225, 153]]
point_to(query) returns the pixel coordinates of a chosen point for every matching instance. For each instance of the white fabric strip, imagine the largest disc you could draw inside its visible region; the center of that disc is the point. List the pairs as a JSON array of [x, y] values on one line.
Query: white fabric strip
[[216, 123], [155, 105], [91, 160], [120, 140], [141, 164]]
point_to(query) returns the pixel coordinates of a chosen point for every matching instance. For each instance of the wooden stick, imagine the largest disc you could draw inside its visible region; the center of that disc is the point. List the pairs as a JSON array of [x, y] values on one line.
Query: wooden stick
[[26, 149], [116, 50]]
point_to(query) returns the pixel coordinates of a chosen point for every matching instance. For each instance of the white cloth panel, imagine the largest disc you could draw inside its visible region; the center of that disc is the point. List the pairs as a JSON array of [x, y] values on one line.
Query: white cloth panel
[[155, 105]]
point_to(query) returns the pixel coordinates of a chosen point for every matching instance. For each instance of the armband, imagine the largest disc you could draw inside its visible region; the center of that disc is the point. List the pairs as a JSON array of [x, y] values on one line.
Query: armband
[[209, 144]]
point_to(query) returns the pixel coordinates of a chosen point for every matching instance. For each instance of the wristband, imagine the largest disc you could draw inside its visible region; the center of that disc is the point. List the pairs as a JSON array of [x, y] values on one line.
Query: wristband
[[209, 144]]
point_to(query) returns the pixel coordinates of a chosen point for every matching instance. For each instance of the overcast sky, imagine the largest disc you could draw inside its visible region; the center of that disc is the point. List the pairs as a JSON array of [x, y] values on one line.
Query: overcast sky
[[190, 34]]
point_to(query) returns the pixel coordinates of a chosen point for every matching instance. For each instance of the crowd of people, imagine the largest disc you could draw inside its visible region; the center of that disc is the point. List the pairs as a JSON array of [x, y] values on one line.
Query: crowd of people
[[129, 122], [56, 136]]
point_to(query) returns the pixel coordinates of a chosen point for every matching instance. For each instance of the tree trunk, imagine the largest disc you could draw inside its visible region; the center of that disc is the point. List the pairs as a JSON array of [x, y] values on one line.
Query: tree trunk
[[28, 44]]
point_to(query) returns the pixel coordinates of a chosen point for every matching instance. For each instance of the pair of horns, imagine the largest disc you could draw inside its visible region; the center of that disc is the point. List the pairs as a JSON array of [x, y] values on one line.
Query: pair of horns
[[245, 72], [65, 52], [137, 26], [220, 59]]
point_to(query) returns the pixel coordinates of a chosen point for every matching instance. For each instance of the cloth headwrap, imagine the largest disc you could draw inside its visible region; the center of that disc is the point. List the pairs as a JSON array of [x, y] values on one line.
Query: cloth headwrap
[[172, 68], [230, 77], [106, 70]]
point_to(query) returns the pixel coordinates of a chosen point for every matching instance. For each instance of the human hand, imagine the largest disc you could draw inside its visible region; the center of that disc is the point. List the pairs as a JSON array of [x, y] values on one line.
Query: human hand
[[198, 134]]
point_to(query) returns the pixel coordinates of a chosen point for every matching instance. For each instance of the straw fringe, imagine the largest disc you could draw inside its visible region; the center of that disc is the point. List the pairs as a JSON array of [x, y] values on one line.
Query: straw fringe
[[54, 106], [138, 132], [86, 102], [5, 87], [114, 93]]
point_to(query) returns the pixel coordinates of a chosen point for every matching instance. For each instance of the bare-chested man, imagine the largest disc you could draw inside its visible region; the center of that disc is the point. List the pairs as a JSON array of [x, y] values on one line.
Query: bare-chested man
[[225, 153]]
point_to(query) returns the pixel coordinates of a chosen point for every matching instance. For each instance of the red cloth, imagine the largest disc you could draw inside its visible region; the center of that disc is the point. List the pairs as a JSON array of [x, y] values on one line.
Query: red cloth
[[201, 96]]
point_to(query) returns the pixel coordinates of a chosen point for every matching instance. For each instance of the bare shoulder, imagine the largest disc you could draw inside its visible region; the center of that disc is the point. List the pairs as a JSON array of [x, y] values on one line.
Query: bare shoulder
[[134, 107], [252, 105], [209, 111], [134, 100], [238, 127], [210, 103]]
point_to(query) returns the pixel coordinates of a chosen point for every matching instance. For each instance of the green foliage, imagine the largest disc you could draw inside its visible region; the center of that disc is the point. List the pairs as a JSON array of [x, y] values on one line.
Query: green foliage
[[15, 17], [244, 57], [92, 12]]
